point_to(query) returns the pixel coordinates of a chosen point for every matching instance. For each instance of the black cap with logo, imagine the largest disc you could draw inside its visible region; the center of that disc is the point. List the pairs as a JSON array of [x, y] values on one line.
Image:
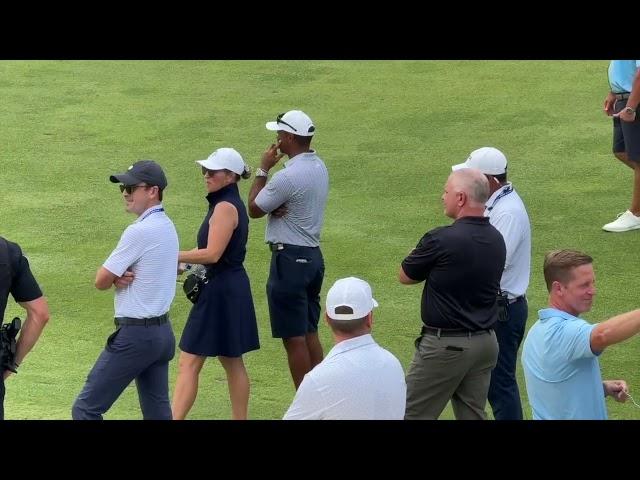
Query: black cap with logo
[[146, 171]]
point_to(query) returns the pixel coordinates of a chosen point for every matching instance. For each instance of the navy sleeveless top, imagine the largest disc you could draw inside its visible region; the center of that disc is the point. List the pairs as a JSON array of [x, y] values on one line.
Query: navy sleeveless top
[[234, 254]]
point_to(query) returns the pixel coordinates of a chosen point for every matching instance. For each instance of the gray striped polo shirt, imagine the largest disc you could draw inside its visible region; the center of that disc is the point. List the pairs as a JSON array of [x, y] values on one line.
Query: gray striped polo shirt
[[149, 246], [303, 185]]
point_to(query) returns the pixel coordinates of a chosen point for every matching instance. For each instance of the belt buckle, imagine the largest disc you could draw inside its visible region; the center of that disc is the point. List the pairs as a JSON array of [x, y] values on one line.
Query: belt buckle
[[276, 247]]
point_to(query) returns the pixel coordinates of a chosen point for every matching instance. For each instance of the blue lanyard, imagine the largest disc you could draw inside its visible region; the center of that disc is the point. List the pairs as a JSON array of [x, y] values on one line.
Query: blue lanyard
[[507, 190], [155, 210]]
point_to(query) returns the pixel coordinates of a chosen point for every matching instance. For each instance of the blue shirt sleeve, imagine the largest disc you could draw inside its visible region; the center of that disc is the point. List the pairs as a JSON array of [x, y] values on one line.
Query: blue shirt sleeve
[[575, 340], [127, 252]]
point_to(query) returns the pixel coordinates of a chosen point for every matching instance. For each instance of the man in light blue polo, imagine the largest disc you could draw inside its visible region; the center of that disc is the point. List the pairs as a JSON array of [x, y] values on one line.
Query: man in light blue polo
[[142, 268], [560, 353], [294, 200]]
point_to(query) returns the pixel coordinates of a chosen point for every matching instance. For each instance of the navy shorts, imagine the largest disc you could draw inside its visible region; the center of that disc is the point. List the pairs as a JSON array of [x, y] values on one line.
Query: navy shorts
[[293, 291], [626, 135]]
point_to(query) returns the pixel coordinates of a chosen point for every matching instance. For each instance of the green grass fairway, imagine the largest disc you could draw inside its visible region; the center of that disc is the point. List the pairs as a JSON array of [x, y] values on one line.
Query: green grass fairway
[[388, 131]]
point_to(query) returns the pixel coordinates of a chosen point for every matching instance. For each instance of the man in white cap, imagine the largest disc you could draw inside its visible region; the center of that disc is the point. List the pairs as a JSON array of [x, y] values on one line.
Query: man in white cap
[[358, 380], [294, 201], [507, 213]]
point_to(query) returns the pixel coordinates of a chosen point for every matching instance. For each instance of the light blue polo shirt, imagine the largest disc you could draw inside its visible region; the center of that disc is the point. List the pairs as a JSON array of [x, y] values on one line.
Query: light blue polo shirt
[[621, 74], [561, 372]]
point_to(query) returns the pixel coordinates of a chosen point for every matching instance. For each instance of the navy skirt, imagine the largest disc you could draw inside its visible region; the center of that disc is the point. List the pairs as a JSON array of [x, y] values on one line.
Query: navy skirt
[[223, 320]]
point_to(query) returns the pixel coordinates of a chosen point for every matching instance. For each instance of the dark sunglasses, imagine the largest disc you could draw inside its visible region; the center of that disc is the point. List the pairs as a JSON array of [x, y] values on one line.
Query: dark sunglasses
[[279, 120], [206, 171], [131, 188]]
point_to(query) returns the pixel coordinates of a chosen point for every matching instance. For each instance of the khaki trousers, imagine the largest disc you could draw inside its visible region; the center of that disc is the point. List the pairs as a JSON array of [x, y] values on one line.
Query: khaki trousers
[[451, 368]]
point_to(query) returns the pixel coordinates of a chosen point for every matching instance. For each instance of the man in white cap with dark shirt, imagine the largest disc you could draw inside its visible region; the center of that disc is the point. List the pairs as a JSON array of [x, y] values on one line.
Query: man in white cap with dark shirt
[[358, 379], [294, 201], [508, 215]]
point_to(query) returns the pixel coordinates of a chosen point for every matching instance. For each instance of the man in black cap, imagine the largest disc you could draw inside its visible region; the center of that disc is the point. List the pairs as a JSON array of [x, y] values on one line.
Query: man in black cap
[[142, 268]]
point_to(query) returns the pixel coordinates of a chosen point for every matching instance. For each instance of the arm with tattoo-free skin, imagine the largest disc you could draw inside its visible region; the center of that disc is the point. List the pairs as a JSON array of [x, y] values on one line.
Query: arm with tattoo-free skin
[[269, 158], [628, 114]]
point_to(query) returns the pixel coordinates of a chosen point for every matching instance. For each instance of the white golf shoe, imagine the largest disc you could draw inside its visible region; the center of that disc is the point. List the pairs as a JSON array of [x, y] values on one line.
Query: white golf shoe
[[626, 221]]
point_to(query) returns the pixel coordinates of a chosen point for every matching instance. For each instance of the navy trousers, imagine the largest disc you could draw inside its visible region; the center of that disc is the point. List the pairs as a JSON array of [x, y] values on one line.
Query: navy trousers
[[504, 395], [1, 398], [140, 353]]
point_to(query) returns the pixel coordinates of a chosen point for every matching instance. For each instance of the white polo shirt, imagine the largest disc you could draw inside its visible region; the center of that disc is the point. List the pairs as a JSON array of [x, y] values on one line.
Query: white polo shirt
[[357, 380], [509, 216], [149, 246]]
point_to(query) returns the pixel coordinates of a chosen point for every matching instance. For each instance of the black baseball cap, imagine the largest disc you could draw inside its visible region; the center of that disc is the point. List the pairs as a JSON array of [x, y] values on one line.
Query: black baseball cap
[[146, 171]]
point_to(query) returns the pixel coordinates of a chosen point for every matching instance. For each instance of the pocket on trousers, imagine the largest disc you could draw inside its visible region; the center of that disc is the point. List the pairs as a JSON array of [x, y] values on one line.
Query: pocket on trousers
[[111, 339], [438, 349]]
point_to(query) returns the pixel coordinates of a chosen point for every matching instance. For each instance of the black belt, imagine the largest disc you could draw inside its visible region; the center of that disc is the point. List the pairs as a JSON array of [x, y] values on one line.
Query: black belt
[[276, 247], [622, 96], [517, 299], [451, 332], [141, 322]]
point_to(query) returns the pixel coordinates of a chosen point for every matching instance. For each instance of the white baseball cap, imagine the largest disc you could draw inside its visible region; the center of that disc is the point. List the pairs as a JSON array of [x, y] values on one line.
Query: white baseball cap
[[294, 121], [224, 159], [350, 292], [488, 160]]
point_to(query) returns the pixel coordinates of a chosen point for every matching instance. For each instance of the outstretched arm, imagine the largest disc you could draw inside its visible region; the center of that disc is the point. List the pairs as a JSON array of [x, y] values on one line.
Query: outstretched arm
[[615, 330]]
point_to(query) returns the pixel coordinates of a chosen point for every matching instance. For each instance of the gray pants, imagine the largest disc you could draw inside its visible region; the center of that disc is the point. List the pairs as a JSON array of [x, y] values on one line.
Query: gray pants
[[132, 353], [451, 368]]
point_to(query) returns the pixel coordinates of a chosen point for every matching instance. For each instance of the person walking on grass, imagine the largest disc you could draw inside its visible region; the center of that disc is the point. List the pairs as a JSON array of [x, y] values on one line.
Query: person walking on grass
[[142, 270], [222, 322]]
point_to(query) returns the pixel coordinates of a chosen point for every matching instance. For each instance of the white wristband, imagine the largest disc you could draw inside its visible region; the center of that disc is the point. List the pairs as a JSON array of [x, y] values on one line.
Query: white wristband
[[261, 173]]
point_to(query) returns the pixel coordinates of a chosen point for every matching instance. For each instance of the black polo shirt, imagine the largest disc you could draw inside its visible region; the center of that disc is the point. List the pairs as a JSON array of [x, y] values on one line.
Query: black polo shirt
[[16, 280], [461, 265]]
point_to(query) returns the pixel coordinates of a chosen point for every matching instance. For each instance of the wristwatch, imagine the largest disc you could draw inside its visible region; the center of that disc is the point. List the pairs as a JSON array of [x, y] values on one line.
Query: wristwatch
[[261, 173], [629, 109]]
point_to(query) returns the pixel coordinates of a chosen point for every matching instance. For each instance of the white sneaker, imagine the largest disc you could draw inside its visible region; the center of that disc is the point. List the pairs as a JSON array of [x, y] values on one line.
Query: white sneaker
[[626, 221]]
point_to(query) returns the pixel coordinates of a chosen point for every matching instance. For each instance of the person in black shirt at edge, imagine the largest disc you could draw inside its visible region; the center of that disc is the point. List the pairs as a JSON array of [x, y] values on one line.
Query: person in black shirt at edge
[[461, 265], [16, 279]]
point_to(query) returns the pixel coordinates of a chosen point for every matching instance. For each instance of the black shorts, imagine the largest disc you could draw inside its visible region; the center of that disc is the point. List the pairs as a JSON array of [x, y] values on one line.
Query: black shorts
[[293, 291], [626, 135]]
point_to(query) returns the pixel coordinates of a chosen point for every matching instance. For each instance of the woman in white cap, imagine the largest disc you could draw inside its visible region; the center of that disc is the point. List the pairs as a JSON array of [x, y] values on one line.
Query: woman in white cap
[[222, 322]]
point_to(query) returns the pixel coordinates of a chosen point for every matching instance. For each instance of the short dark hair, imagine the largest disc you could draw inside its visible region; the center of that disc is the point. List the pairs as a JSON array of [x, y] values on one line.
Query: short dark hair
[[559, 264], [346, 326], [303, 141], [502, 177]]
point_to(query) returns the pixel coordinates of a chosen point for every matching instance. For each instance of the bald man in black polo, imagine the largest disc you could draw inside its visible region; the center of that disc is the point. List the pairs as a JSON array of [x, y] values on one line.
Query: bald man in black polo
[[461, 265]]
